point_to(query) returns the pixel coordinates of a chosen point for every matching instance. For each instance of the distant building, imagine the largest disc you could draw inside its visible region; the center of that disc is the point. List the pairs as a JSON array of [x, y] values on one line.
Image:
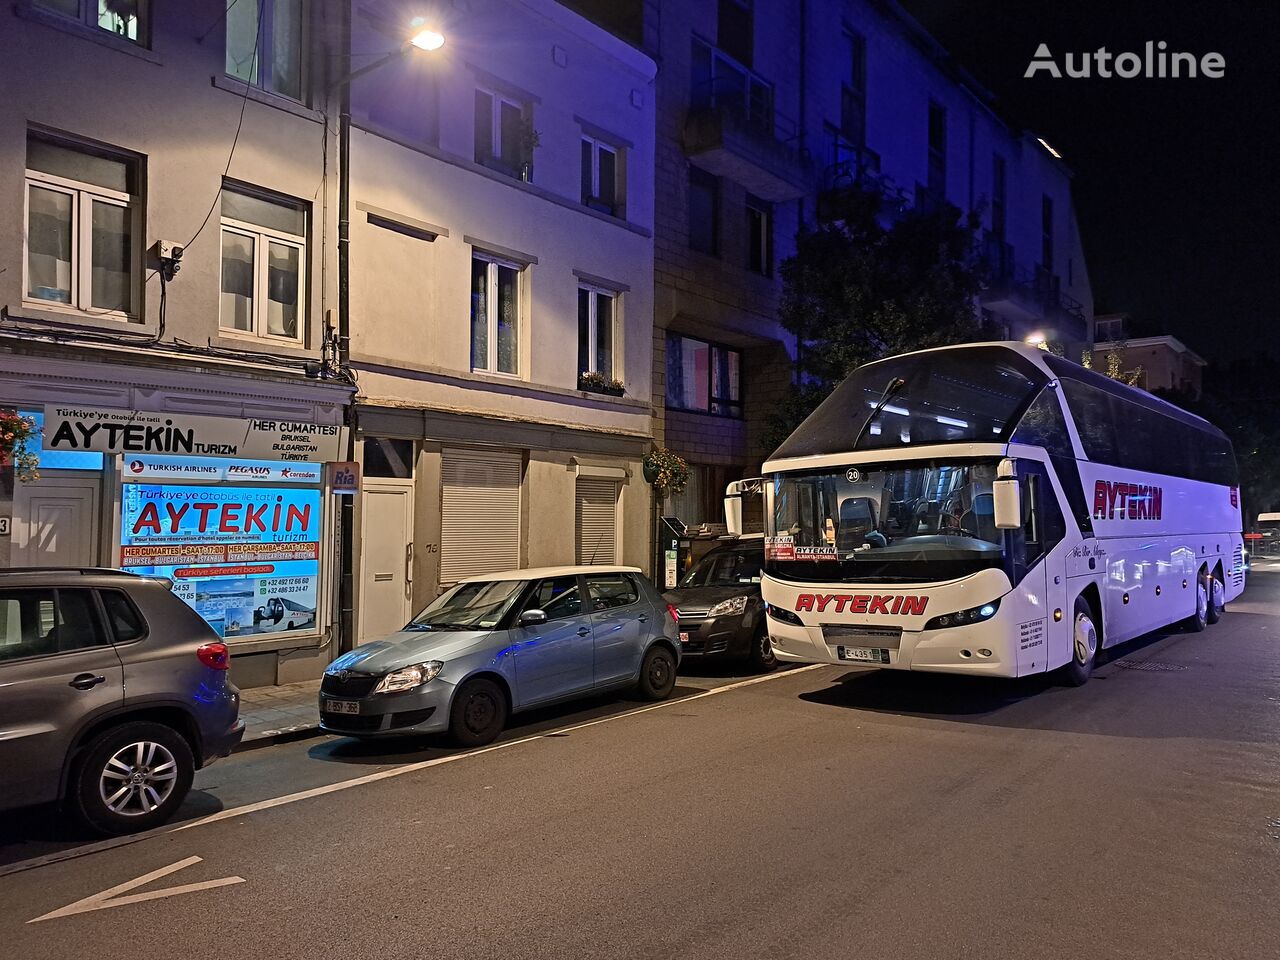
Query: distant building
[[1158, 363]]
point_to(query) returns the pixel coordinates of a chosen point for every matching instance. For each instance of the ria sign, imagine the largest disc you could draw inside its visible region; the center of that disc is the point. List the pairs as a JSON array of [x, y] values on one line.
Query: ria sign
[[1155, 61]]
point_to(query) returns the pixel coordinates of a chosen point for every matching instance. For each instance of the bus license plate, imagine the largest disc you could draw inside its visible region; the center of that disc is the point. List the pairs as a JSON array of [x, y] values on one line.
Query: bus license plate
[[341, 706], [863, 654]]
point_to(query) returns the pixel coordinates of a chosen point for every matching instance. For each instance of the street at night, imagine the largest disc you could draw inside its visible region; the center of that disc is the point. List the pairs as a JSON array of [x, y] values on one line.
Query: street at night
[[816, 812]]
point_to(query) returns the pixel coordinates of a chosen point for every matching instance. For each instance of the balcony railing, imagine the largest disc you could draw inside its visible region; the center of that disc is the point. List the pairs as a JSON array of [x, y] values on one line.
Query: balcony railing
[[1030, 293], [851, 166]]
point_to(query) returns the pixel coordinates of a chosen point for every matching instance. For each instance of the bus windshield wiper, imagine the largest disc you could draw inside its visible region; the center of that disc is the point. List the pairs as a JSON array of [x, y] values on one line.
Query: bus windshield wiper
[[894, 385]]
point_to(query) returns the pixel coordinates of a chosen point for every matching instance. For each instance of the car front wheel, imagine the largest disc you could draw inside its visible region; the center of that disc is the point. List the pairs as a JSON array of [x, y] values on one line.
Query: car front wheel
[[478, 714], [132, 777], [761, 656]]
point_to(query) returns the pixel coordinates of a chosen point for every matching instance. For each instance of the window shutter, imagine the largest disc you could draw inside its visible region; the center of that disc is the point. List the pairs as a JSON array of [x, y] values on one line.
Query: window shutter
[[597, 520], [480, 513]]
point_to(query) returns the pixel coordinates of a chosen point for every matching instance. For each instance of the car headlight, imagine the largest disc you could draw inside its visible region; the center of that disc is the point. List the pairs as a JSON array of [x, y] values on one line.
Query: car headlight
[[406, 678], [731, 607], [965, 617]]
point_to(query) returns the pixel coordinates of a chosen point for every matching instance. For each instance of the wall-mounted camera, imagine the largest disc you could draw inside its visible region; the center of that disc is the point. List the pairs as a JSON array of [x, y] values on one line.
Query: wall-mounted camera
[[169, 255]]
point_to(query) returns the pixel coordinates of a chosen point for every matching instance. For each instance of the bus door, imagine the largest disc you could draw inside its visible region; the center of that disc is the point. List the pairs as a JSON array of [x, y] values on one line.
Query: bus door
[[1041, 581]]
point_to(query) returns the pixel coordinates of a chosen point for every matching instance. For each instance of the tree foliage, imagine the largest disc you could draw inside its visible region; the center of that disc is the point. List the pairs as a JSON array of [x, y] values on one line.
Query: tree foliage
[[862, 286]]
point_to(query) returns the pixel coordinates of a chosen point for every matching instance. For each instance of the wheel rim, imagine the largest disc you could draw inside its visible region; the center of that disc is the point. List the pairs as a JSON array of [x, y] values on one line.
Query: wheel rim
[[659, 672], [480, 712], [1202, 601], [766, 650], [138, 778], [1217, 589], [1086, 639]]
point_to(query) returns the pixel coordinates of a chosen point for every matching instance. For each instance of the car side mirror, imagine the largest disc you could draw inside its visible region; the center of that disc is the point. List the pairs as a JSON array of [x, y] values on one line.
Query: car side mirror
[[1007, 497], [531, 618]]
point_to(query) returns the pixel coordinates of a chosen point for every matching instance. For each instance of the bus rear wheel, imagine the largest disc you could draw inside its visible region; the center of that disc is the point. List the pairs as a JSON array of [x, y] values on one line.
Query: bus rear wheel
[[1217, 600], [1199, 618], [1084, 645]]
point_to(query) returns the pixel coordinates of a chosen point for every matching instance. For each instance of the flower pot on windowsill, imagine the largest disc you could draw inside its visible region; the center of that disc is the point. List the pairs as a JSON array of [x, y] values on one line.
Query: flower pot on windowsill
[[611, 388]]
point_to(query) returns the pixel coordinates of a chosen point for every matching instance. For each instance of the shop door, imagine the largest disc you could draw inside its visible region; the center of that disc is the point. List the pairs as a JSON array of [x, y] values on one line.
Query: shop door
[[480, 513], [55, 522], [386, 557]]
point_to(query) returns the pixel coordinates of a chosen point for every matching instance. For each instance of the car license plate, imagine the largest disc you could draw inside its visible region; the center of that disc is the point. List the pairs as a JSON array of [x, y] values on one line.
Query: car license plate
[[863, 654], [341, 706], [684, 636]]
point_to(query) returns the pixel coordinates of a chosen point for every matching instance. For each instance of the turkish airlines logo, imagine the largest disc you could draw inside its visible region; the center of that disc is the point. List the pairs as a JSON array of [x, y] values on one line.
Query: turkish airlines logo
[[136, 466], [888, 605], [1127, 501]]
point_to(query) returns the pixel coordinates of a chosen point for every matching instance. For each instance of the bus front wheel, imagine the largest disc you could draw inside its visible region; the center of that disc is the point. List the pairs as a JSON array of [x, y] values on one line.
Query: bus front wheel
[[1084, 645]]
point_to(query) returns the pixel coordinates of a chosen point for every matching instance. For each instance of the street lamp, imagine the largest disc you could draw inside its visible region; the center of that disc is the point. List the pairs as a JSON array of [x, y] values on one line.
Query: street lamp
[[1036, 340], [423, 38]]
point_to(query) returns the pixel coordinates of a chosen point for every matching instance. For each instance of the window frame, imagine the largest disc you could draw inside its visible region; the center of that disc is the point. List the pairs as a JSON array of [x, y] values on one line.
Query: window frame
[[763, 209], [266, 35], [853, 89], [262, 238], [936, 170], [88, 18], [82, 241], [495, 159], [491, 316], [625, 577], [593, 328], [595, 201], [711, 182], [734, 407], [1046, 232]]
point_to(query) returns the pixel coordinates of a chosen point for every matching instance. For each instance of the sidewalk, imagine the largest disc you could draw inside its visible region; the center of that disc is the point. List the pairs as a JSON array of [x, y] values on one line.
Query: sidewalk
[[274, 713]]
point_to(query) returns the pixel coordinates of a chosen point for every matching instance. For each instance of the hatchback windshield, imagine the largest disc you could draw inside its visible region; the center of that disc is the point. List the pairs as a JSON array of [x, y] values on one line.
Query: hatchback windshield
[[925, 522], [478, 605], [725, 568]]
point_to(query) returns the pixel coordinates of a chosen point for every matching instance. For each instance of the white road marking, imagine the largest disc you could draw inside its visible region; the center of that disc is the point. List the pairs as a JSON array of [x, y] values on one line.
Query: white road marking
[[109, 898], [246, 809]]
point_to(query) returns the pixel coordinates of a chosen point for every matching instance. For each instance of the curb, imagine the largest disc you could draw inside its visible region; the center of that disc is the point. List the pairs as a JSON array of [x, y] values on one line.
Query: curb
[[269, 738]]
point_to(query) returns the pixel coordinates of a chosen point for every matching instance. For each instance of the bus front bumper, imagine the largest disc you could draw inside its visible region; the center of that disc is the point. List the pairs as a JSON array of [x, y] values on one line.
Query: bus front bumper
[[969, 650]]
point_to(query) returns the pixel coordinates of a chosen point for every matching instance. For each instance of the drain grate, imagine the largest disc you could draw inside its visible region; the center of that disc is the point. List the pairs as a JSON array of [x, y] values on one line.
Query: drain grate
[[1157, 666]]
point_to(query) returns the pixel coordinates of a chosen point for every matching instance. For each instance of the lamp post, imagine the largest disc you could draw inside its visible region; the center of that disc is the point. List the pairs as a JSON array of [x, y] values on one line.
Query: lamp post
[[423, 38]]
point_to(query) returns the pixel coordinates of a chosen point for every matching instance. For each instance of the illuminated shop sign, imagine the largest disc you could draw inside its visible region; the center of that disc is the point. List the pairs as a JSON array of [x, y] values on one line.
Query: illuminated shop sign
[[147, 467]]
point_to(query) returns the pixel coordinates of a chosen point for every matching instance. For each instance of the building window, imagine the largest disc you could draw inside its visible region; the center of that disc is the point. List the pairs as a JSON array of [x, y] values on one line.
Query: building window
[[126, 19], [264, 253], [503, 135], [719, 81], [266, 51], [703, 376], [704, 211], [82, 228], [601, 176], [597, 331], [853, 94], [937, 151], [1046, 232], [997, 196], [495, 314], [735, 33], [759, 236]]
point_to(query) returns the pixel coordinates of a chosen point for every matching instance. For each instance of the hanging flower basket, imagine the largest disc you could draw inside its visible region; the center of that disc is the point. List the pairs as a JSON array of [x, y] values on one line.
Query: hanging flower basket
[[667, 471], [15, 431]]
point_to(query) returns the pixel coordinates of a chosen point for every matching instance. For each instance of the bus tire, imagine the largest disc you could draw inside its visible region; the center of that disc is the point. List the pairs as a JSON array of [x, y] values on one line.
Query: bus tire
[[1217, 602], [1084, 644], [1199, 618]]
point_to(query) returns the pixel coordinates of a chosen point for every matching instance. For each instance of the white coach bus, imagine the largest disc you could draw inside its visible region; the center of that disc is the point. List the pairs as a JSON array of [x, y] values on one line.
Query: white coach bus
[[992, 509]]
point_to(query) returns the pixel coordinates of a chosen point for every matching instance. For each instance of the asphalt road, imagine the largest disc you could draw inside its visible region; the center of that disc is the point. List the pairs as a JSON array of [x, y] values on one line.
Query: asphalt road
[[815, 813]]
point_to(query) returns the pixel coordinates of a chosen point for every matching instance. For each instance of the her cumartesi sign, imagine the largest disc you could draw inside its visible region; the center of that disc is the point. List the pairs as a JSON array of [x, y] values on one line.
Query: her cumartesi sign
[[144, 431]]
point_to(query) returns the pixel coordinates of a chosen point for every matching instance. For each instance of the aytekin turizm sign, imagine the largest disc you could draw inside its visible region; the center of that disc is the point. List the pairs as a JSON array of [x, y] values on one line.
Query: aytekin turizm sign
[[140, 431], [1155, 62]]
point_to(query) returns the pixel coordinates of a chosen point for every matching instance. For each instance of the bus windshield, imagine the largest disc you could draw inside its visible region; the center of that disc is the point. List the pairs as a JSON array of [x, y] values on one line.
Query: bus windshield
[[922, 521]]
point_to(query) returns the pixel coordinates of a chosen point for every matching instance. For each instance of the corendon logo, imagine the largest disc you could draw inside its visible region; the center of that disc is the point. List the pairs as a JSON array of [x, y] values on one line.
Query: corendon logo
[[888, 604], [1127, 501], [287, 474]]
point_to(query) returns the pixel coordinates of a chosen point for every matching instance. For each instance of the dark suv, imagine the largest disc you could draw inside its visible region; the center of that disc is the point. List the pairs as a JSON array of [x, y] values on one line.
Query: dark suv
[[721, 611], [113, 692]]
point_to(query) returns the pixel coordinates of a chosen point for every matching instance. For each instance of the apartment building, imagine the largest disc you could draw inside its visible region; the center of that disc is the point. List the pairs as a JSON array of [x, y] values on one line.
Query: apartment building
[[501, 299], [766, 106], [1153, 362]]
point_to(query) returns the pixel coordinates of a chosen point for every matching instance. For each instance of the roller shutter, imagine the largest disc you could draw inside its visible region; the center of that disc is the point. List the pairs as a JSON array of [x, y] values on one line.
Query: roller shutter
[[597, 520], [480, 513]]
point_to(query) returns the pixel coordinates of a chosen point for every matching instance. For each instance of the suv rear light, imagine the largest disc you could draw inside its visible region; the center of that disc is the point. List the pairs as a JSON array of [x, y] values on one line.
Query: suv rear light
[[215, 655], [673, 612]]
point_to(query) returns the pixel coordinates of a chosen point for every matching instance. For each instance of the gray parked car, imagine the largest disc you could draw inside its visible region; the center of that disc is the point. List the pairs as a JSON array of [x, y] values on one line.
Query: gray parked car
[[501, 643], [112, 693]]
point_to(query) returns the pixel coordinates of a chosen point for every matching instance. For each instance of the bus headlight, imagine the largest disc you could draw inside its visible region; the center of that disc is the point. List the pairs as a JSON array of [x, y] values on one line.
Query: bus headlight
[[782, 615], [964, 617]]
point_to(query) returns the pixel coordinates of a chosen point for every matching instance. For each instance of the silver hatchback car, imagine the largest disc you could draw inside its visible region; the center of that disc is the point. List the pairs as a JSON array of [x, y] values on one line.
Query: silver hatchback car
[[501, 643]]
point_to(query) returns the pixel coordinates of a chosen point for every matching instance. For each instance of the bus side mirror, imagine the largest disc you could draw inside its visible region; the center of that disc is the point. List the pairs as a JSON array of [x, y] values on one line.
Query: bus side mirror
[[733, 515], [1008, 497]]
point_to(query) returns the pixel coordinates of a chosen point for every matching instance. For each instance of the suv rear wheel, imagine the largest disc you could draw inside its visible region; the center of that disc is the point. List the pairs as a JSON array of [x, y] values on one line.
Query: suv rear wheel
[[132, 777]]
